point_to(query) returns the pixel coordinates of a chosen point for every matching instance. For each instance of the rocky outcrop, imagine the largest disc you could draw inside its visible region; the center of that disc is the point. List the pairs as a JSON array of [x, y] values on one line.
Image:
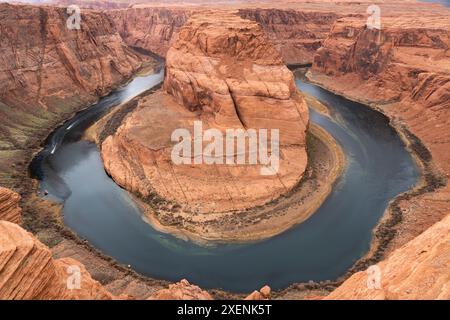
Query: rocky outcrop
[[182, 290], [49, 71], [223, 71], [28, 271], [418, 270], [9, 206]]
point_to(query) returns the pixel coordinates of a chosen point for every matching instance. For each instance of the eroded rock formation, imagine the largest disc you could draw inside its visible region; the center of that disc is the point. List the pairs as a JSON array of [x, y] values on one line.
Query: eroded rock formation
[[9, 206], [50, 71], [182, 290], [296, 33], [28, 271], [223, 71], [418, 270]]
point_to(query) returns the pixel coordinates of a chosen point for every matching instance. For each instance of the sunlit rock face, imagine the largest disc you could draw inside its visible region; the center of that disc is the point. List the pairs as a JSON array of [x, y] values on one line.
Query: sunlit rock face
[[223, 71], [28, 271]]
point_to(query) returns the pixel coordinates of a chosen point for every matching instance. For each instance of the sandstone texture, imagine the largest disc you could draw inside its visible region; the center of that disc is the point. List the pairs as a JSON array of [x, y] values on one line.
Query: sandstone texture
[[152, 29], [28, 271], [182, 290], [418, 270], [9, 206], [223, 71], [50, 71]]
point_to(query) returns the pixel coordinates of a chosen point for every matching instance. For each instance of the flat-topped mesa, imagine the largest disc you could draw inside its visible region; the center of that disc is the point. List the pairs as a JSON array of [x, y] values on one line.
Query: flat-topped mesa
[[223, 71], [225, 67]]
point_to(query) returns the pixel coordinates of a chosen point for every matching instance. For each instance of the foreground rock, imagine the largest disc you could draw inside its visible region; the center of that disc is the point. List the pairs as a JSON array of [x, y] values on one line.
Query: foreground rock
[[418, 270], [28, 270], [182, 290], [9, 206], [262, 294], [50, 71], [224, 72]]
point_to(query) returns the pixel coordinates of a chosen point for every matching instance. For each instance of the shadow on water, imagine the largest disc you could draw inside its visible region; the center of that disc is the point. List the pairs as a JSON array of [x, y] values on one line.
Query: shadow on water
[[322, 248]]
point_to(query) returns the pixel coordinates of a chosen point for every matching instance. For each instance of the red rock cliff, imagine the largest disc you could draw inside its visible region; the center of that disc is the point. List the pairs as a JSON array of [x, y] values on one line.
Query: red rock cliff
[[49, 71], [149, 28], [405, 70], [223, 71], [28, 271], [296, 34]]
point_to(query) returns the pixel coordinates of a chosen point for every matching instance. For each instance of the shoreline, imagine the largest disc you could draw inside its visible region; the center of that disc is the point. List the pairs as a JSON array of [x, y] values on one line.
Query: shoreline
[[430, 180]]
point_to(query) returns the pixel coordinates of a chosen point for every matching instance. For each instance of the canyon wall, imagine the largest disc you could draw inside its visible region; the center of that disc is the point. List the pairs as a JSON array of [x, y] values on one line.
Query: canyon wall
[[28, 271], [50, 71], [404, 71], [223, 71], [151, 29], [297, 34]]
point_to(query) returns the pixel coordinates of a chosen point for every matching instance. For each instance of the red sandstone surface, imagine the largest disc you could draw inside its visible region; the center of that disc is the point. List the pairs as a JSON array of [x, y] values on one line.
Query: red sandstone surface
[[9, 206], [223, 71]]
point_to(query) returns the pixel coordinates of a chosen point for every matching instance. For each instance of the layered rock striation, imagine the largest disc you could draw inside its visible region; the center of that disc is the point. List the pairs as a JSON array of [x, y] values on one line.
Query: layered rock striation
[[404, 71], [9, 206], [222, 71], [296, 33], [152, 29], [182, 290], [49, 71], [28, 271]]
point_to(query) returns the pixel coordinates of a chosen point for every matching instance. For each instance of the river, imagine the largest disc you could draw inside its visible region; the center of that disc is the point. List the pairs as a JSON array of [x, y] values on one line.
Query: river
[[322, 248]]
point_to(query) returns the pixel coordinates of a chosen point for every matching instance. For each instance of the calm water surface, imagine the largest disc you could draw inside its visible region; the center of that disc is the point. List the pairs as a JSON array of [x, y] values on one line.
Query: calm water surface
[[322, 248]]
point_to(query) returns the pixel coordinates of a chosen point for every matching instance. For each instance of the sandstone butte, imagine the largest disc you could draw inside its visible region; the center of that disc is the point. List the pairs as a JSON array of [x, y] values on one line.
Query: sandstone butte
[[417, 270], [49, 72], [223, 71]]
